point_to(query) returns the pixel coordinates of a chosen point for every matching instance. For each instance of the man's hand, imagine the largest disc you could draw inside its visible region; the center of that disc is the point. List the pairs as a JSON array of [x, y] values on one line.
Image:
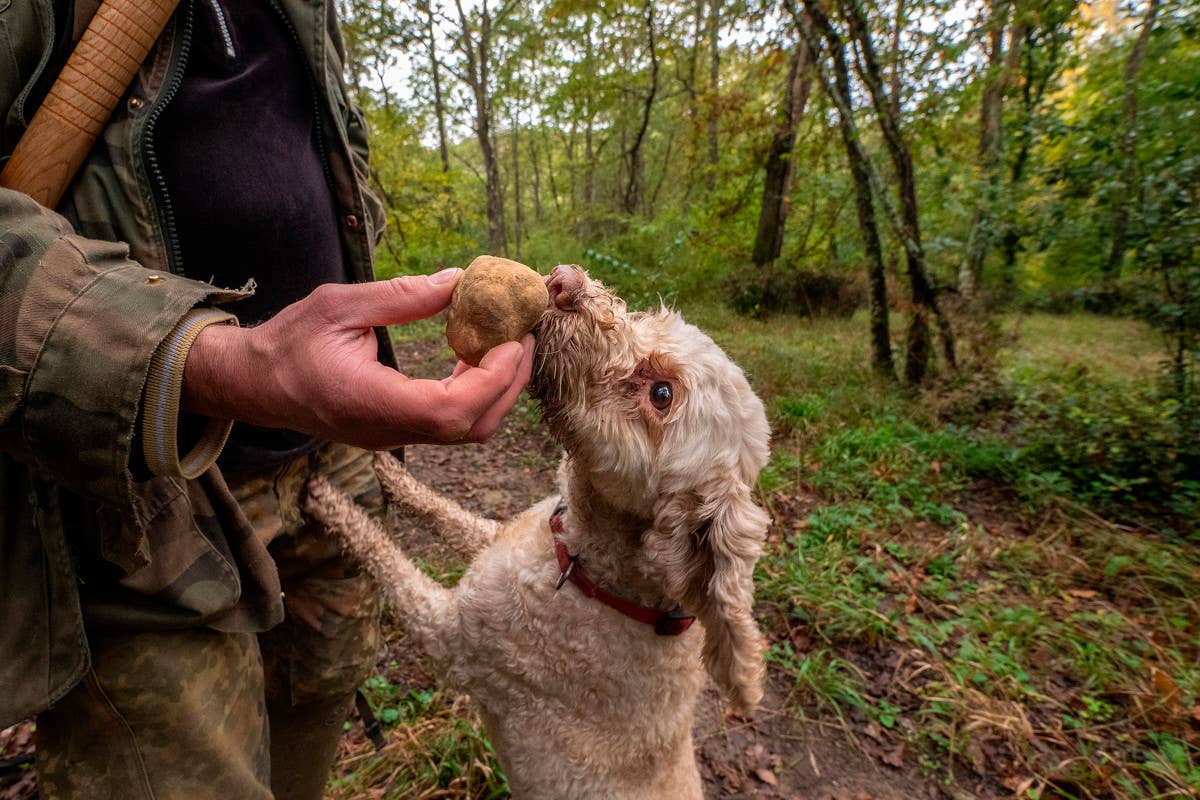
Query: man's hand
[[313, 368]]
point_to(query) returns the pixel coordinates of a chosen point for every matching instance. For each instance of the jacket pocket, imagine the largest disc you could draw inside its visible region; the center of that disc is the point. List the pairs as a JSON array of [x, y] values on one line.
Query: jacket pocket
[[174, 562]]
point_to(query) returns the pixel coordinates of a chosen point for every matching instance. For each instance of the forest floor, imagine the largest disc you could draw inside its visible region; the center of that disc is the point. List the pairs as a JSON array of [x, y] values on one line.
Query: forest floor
[[941, 625]]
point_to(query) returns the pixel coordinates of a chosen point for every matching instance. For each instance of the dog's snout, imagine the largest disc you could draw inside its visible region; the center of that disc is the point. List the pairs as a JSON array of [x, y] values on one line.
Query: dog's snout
[[563, 283]]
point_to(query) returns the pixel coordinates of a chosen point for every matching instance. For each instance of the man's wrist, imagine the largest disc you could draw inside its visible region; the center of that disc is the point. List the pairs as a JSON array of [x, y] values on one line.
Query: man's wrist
[[214, 377]]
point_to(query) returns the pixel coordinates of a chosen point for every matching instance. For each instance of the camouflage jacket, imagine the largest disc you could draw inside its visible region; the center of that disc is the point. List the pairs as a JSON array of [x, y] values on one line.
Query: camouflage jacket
[[87, 294]]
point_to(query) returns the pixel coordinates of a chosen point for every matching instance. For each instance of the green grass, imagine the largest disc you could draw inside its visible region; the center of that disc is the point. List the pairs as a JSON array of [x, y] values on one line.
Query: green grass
[[1028, 624], [435, 748], [1116, 347]]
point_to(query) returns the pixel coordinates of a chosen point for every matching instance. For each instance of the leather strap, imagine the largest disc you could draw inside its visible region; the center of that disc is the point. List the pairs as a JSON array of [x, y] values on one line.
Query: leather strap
[[62, 132], [84, 11], [665, 623]]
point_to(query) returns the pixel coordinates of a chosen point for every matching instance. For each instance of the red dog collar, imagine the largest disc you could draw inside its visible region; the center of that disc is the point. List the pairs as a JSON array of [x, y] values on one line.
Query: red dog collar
[[665, 623]]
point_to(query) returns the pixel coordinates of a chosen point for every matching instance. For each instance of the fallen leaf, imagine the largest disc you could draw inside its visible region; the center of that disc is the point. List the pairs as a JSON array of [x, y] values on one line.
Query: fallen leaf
[[895, 757], [1167, 694], [1017, 784], [1083, 594], [874, 731], [767, 777]]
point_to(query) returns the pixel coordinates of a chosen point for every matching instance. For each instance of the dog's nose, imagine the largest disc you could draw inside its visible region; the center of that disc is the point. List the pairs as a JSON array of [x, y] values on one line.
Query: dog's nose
[[563, 283]]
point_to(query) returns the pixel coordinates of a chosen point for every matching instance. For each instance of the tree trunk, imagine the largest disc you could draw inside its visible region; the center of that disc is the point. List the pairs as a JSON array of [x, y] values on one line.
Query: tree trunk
[[693, 111], [924, 297], [537, 179], [550, 175], [438, 105], [897, 75], [589, 156], [1002, 66], [634, 156], [518, 219], [714, 86], [477, 51], [1120, 223], [838, 91], [569, 142], [772, 217], [665, 161]]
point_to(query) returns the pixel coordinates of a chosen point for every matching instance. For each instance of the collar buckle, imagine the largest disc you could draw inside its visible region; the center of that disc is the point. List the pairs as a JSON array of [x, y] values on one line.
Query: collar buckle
[[565, 574]]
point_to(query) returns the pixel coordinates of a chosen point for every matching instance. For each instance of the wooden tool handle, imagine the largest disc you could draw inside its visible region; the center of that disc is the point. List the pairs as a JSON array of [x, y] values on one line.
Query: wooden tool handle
[[83, 97]]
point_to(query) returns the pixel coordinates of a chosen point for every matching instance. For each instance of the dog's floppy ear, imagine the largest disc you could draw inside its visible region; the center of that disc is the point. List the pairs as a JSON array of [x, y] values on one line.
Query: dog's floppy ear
[[704, 545]]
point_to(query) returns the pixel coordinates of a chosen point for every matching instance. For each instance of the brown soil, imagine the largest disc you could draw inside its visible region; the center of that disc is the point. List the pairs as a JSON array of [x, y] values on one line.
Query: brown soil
[[779, 754]]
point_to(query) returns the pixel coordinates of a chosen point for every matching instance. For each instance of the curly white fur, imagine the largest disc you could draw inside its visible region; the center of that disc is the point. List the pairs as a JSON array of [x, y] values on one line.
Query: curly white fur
[[578, 700]]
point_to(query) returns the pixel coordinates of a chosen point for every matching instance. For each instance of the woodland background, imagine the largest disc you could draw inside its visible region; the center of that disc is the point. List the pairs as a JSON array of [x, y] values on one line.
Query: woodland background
[[1034, 154], [956, 246]]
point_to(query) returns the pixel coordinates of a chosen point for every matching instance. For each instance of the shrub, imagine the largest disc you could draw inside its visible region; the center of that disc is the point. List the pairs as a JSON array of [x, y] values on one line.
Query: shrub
[[1109, 300], [1126, 450], [759, 292]]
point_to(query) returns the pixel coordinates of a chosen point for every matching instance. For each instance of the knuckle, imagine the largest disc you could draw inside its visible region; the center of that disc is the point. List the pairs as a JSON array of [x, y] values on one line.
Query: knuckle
[[323, 294], [404, 287], [481, 434], [324, 298]]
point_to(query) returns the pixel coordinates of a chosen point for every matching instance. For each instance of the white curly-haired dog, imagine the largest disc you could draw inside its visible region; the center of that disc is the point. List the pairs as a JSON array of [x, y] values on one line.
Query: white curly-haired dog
[[588, 690]]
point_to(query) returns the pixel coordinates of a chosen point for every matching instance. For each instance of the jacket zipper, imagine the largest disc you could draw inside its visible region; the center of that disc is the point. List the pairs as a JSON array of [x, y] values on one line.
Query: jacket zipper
[[223, 26], [170, 235], [316, 99]]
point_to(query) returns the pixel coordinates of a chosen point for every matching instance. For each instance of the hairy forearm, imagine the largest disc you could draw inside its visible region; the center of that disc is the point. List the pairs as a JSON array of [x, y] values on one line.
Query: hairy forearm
[[251, 375], [218, 376]]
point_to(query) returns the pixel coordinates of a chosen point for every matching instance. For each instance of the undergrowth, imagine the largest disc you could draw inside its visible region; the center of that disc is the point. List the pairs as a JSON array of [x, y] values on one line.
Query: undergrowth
[[435, 747], [1014, 601]]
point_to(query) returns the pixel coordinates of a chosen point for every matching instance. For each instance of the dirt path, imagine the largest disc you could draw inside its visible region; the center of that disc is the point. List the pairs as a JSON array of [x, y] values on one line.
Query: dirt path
[[776, 755]]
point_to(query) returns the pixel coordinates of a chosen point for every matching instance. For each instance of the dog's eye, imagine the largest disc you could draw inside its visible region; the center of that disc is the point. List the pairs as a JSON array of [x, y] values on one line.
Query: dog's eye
[[660, 395]]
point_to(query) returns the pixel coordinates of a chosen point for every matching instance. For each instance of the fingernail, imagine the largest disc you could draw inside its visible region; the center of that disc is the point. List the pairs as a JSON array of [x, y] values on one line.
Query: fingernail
[[445, 276]]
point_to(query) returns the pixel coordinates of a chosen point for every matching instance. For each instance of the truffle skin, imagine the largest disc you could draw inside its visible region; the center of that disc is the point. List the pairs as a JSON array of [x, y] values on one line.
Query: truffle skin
[[495, 301]]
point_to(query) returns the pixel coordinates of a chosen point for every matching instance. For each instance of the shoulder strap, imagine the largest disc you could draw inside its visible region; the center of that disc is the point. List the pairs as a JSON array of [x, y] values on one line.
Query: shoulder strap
[[61, 133]]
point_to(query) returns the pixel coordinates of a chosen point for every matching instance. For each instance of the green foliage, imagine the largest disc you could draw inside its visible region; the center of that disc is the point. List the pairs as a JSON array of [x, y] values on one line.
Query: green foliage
[[758, 291], [1122, 448], [443, 751], [392, 704]]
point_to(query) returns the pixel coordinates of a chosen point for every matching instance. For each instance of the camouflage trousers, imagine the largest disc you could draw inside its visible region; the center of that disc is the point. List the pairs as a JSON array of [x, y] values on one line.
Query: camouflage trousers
[[188, 713]]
